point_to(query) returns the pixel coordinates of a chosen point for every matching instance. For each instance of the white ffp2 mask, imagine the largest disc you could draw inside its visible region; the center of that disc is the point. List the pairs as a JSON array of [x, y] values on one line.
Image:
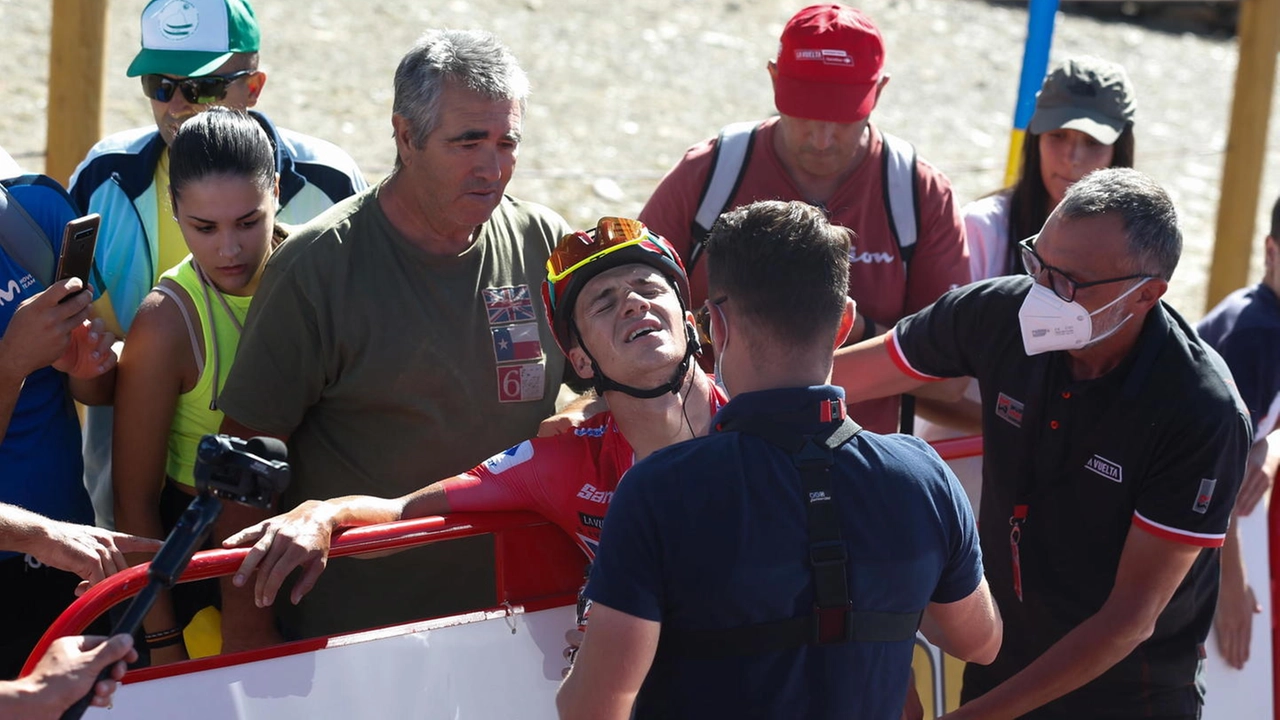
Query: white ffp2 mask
[[1050, 323]]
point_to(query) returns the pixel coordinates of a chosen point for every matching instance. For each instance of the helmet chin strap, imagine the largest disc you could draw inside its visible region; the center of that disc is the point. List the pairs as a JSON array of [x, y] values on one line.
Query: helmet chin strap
[[602, 383]]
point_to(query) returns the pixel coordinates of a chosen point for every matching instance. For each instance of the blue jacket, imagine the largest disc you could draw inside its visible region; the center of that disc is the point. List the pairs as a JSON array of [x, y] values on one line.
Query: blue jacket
[[117, 181], [40, 465]]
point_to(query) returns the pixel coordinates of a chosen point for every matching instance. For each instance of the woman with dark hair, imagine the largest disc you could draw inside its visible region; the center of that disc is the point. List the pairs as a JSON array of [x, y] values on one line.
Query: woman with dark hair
[[224, 192], [1083, 122]]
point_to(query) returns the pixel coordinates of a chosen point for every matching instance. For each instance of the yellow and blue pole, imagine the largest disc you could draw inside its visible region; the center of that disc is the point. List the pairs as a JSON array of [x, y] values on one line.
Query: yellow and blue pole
[[1035, 65]]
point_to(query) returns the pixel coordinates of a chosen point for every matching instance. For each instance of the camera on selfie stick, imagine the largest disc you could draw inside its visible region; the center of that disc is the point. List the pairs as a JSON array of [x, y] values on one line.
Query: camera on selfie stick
[[251, 472]]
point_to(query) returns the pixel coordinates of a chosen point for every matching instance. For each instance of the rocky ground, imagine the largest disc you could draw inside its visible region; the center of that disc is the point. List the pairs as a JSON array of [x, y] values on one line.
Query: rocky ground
[[621, 88]]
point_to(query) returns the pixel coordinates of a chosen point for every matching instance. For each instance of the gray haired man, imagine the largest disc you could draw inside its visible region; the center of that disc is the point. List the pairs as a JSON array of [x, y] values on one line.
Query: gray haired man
[[1113, 443], [397, 337]]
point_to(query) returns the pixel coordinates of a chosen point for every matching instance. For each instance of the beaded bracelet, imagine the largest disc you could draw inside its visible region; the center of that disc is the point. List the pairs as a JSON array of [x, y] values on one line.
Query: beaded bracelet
[[168, 642], [163, 634]]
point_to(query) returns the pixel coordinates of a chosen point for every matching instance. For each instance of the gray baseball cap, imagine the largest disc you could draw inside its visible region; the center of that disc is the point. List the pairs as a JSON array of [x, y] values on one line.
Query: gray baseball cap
[[1087, 94]]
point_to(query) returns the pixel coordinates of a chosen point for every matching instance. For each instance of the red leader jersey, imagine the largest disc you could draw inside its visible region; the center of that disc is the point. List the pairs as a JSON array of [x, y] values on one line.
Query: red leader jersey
[[568, 479]]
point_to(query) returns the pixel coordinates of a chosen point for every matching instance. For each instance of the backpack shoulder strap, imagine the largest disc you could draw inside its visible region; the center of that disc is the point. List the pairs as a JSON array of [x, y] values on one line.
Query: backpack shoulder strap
[[728, 164], [901, 196], [834, 619], [22, 238]]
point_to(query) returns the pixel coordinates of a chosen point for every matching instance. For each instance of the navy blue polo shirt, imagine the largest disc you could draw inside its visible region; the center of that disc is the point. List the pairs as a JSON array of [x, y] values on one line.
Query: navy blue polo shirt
[[1158, 443], [712, 533], [1245, 329]]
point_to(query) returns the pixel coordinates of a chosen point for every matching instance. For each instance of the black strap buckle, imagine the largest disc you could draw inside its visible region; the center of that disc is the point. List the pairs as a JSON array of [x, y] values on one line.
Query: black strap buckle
[[826, 554]]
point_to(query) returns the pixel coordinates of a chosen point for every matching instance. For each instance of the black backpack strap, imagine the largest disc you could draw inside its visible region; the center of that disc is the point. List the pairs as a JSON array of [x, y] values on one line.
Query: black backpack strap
[[834, 620], [730, 155]]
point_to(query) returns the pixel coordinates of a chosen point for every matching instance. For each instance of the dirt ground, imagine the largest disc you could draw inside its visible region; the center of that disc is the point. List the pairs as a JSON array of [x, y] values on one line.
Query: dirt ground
[[622, 88]]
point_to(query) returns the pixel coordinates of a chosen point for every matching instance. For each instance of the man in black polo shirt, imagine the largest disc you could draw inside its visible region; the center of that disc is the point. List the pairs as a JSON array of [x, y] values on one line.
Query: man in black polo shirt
[[1113, 452]]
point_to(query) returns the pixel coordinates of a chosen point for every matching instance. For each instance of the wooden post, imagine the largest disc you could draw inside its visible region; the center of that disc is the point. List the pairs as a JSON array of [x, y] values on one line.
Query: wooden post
[[1258, 32], [77, 60]]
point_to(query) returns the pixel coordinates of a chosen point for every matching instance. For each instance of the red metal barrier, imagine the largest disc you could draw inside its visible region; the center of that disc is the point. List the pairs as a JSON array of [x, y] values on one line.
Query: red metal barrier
[[533, 560]]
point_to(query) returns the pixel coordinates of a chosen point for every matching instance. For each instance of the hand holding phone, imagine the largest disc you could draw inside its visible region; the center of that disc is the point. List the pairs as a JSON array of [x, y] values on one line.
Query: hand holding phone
[[79, 239]]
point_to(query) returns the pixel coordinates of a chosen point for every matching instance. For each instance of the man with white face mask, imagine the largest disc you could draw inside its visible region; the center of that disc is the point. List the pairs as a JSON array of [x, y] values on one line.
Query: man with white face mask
[[1113, 444]]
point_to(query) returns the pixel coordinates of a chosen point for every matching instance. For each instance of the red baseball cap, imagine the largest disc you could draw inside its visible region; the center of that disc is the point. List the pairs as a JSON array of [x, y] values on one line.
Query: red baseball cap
[[829, 63]]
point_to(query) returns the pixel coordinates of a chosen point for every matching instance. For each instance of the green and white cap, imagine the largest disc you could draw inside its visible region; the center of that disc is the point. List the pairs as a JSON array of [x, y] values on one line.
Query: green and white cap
[[188, 38]]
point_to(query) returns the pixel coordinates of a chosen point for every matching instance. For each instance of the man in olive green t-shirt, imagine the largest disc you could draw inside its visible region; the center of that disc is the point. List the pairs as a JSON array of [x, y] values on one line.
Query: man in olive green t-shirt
[[399, 338]]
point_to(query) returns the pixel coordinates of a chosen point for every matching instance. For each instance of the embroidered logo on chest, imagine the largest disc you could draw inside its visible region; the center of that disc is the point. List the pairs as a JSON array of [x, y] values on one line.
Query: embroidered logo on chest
[[1106, 468], [1009, 410]]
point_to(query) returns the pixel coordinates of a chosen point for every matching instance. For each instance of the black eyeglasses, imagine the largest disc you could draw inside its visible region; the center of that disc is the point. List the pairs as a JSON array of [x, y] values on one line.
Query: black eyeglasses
[[1062, 284], [202, 90], [703, 319]]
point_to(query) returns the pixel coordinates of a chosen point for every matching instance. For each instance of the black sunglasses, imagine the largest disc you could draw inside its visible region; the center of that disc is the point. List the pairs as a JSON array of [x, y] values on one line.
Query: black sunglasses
[[202, 90], [1062, 284]]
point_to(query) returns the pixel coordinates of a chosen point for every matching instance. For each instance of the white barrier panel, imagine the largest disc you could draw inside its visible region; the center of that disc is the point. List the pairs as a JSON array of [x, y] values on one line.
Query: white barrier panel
[[476, 666], [1246, 693]]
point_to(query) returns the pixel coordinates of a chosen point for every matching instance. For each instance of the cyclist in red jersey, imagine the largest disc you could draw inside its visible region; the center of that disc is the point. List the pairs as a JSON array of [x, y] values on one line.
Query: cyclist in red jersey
[[617, 299]]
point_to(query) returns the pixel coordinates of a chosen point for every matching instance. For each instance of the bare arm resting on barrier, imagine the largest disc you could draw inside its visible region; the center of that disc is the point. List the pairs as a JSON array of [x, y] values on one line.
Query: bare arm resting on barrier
[[65, 674], [301, 537], [90, 552]]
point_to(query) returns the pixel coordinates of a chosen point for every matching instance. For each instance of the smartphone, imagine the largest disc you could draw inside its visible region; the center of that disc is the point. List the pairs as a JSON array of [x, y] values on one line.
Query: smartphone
[[78, 241]]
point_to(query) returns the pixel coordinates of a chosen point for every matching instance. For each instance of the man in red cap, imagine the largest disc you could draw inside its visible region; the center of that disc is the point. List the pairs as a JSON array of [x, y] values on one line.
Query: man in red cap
[[822, 149]]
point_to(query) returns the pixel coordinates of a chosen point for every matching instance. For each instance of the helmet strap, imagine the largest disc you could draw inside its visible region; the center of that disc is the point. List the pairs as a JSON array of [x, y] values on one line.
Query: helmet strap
[[602, 383]]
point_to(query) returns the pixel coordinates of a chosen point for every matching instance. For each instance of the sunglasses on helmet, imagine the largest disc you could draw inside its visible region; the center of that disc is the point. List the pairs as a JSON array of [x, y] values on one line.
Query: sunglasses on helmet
[[202, 90], [577, 249]]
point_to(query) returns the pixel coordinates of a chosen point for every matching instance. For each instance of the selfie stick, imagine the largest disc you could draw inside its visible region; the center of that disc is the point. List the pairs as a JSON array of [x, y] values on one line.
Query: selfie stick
[[189, 535]]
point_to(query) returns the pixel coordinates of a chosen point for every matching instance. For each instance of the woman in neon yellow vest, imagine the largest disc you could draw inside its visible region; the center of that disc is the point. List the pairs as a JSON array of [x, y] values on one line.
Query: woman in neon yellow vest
[[224, 191]]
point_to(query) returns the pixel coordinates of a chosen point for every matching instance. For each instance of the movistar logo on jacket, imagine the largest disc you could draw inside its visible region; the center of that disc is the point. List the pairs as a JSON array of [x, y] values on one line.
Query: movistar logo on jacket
[[13, 289]]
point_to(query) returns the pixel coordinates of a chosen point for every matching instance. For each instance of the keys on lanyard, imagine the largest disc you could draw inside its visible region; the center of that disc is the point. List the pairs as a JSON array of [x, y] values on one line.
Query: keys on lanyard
[[1015, 537]]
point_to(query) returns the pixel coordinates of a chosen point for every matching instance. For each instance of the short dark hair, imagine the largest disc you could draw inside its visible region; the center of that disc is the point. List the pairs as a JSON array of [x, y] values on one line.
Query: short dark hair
[[1150, 220], [784, 267], [221, 141]]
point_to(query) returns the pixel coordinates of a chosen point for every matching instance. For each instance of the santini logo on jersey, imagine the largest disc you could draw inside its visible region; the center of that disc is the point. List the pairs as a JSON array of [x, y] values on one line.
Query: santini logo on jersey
[[590, 493], [589, 431], [1104, 467], [509, 458]]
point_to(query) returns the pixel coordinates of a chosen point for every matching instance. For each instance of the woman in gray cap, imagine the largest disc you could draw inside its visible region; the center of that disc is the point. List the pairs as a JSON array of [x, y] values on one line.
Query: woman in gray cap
[[1083, 122]]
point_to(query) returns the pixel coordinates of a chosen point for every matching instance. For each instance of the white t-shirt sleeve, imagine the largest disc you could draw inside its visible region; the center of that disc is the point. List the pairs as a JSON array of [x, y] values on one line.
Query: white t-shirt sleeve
[[986, 228]]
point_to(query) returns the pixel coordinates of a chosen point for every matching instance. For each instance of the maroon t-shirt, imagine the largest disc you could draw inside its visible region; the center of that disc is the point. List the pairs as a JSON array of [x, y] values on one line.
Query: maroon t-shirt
[[878, 281]]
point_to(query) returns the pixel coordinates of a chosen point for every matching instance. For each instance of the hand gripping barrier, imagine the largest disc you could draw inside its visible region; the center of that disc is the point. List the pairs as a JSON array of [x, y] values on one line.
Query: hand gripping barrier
[[535, 565]]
